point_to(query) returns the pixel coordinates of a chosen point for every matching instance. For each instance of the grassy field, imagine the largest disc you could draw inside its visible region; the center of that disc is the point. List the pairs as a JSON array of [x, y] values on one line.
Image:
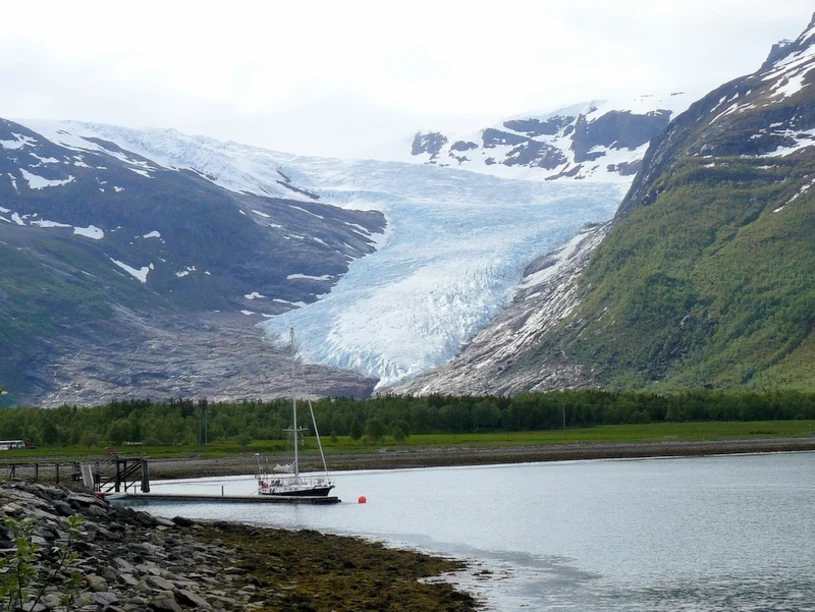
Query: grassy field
[[673, 432]]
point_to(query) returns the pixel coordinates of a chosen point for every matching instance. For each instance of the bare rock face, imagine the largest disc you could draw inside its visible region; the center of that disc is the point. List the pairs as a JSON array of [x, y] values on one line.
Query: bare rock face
[[620, 129], [430, 142], [218, 357]]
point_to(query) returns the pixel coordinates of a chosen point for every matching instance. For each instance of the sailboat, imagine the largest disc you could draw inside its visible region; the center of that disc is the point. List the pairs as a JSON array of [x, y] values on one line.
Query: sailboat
[[286, 480]]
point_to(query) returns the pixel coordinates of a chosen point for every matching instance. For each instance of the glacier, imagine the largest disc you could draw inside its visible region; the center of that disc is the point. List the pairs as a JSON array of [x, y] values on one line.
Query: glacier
[[457, 245], [452, 257]]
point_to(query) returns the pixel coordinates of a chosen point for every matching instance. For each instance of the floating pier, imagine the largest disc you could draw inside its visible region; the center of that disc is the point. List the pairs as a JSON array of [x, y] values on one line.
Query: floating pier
[[224, 499]]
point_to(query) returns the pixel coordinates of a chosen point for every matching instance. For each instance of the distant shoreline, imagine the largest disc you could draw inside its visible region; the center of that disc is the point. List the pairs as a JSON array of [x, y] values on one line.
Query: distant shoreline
[[449, 456]]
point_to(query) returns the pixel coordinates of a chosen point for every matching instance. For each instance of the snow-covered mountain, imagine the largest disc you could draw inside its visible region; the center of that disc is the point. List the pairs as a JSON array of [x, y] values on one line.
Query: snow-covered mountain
[[601, 141], [701, 279], [454, 250], [106, 255], [218, 235]]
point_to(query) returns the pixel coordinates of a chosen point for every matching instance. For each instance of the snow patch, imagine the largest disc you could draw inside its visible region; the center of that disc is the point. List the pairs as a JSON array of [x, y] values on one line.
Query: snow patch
[[791, 87], [324, 277], [38, 182], [254, 296], [185, 272], [801, 192], [45, 223], [140, 274], [90, 232], [289, 303], [802, 141], [308, 212], [153, 234], [141, 172], [44, 160], [247, 312], [20, 141]]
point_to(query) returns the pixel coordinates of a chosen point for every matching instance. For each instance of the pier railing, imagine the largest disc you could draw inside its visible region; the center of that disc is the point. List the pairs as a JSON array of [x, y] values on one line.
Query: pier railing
[[113, 475]]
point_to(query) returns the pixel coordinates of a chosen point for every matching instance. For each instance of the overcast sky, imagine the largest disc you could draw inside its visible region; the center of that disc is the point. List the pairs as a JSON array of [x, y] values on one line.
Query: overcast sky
[[341, 77]]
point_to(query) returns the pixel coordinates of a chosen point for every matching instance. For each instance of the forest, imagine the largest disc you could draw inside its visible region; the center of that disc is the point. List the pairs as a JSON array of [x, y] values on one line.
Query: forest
[[190, 422]]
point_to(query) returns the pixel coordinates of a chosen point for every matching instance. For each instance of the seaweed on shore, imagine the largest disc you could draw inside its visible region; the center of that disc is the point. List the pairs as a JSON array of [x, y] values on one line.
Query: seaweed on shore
[[309, 571]]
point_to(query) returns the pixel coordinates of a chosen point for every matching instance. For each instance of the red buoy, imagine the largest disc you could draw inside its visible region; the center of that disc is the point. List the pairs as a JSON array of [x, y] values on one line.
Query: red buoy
[[362, 499]]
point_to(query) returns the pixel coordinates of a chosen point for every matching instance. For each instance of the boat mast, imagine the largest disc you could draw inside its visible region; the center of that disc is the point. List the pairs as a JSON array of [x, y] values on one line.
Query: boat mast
[[294, 403]]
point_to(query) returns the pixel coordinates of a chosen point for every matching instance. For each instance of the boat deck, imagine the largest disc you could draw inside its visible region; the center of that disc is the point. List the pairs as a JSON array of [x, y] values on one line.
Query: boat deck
[[225, 499]]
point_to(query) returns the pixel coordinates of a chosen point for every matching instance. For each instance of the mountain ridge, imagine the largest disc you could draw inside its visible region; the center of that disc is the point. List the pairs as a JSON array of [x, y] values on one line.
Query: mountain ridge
[[103, 249], [702, 277], [599, 140]]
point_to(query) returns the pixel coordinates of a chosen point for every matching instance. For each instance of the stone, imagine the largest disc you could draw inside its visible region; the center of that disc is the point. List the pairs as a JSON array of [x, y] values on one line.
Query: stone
[[63, 508], [146, 548], [182, 521], [188, 598], [127, 579], [96, 583], [158, 582], [105, 598], [51, 600], [165, 605], [95, 511], [124, 565], [148, 569]]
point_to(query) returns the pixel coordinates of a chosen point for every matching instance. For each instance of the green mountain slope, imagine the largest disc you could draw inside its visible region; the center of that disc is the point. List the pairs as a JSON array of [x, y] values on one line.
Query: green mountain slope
[[708, 275]]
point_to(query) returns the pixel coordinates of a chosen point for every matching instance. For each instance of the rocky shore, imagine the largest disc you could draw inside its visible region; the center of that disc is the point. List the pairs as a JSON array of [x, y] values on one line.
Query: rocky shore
[[82, 553]]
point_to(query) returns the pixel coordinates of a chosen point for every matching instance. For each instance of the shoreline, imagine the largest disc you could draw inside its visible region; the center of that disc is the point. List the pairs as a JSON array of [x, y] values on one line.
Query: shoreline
[[116, 558], [384, 459]]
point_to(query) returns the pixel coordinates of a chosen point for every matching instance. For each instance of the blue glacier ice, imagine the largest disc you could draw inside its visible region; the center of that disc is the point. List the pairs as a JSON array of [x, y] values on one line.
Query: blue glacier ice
[[457, 244]]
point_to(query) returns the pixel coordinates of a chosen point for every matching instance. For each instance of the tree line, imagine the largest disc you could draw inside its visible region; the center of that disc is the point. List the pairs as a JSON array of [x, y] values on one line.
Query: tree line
[[185, 421]]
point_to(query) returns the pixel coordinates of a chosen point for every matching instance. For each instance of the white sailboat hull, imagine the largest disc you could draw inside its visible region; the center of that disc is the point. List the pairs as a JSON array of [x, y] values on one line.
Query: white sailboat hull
[[313, 486]]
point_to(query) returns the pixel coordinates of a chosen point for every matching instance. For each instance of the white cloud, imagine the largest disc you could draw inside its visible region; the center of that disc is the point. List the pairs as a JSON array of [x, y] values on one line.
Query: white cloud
[[334, 77]]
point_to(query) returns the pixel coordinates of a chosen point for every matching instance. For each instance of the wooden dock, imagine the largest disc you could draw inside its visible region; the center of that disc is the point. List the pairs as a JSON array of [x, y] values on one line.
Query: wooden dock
[[224, 499]]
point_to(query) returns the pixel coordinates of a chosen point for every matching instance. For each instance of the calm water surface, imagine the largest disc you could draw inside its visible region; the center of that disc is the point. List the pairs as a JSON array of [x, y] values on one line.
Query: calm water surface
[[714, 533]]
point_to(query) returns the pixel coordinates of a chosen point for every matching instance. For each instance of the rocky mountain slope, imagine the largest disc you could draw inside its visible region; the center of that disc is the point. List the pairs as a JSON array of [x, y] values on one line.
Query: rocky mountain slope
[[704, 276], [102, 249], [595, 141]]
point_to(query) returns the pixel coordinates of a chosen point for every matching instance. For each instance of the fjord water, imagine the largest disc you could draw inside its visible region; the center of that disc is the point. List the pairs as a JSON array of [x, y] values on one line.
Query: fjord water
[[714, 533]]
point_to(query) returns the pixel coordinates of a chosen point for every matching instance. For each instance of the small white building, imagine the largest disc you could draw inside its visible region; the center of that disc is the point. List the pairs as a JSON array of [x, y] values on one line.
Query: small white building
[[11, 444]]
